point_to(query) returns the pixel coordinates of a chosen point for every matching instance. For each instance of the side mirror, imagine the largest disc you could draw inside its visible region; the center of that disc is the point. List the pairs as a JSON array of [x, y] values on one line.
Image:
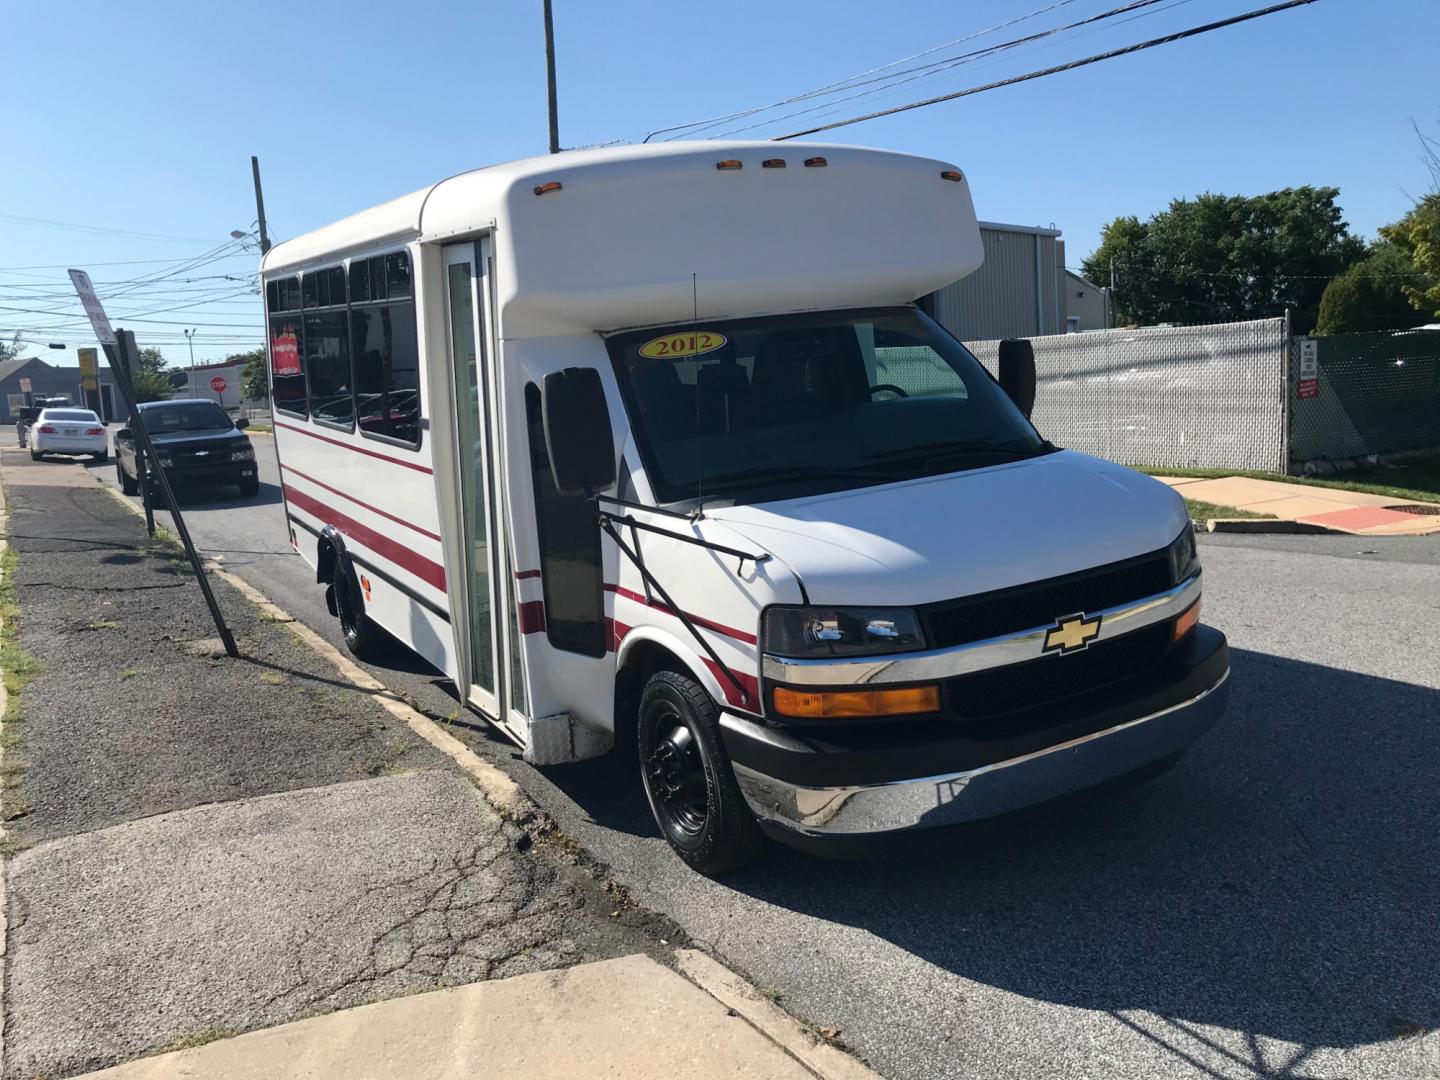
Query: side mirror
[[124, 433], [578, 438], [1017, 372], [242, 423]]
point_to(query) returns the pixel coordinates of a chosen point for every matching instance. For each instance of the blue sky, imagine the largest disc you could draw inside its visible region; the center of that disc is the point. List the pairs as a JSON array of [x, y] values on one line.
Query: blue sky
[[142, 116]]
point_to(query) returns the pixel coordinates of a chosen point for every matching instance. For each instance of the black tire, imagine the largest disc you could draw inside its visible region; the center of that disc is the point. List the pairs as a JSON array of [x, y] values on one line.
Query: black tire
[[365, 640], [101, 455], [128, 483], [687, 777], [249, 488], [36, 455]]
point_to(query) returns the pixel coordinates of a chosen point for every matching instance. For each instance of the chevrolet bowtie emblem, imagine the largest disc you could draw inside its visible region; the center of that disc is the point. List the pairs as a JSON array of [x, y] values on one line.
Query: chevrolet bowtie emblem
[[1071, 634]]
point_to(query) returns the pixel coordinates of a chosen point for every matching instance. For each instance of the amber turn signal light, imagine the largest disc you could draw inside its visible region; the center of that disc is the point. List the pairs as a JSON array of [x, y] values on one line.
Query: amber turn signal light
[[728, 163], [842, 704], [1187, 620], [951, 174], [545, 189]]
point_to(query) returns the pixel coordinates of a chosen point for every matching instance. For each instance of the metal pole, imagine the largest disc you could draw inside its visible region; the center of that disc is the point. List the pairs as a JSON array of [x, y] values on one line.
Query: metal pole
[[259, 205], [550, 79], [121, 372]]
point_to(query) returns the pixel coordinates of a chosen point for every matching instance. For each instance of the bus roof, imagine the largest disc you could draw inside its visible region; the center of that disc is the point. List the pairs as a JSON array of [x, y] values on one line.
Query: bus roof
[[628, 230]]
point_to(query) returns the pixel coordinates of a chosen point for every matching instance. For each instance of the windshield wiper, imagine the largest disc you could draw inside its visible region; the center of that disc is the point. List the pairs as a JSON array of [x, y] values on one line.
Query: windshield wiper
[[779, 474]]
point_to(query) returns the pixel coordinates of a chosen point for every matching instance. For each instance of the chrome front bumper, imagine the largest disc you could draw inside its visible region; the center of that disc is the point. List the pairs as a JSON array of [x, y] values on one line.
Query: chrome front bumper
[[988, 790]]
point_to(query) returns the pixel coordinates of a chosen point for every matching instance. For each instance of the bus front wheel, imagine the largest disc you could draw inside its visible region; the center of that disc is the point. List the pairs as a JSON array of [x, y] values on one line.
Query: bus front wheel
[[688, 780]]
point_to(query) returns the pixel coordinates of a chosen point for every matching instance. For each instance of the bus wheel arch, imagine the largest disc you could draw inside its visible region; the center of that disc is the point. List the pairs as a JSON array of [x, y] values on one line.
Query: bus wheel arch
[[334, 568]]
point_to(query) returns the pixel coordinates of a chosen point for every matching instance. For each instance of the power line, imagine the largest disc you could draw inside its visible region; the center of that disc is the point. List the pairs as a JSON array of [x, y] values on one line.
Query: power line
[[846, 83], [1194, 31], [48, 224], [940, 67]]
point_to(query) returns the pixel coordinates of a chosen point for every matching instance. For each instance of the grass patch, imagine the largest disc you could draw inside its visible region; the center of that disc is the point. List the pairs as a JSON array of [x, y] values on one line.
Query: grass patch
[[270, 678], [18, 668], [1207, 511], [128, 673], [1415, 479], [102, 624], [266, 428]]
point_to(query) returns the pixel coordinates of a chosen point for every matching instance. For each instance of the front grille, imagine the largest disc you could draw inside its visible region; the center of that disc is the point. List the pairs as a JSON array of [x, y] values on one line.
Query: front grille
[[207, 455], [1008, 611], [1055, 677]]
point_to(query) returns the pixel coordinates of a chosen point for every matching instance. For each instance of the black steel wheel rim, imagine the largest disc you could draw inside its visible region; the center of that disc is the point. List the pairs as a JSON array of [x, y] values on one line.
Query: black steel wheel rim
[[347, 613], [675, 771]]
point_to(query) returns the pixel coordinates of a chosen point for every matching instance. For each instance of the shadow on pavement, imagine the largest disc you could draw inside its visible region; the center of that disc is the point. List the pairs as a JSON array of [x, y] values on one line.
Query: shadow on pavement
[[1280, 882]]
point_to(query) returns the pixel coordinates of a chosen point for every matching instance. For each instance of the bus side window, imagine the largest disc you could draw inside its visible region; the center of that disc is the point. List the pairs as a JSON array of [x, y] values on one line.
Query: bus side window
[[287, 354], [569, 551]]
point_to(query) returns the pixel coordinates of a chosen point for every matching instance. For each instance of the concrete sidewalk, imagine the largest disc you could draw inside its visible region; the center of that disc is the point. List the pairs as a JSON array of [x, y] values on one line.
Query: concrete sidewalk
[[1322, 508], [628, 1017], [214, 846]]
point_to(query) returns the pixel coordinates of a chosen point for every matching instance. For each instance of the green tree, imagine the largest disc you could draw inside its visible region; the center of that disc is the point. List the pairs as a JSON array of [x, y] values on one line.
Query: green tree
[[151, 382], [1219, 258], [1371, 295], [10, 350], [255, 376], [1417, 235]]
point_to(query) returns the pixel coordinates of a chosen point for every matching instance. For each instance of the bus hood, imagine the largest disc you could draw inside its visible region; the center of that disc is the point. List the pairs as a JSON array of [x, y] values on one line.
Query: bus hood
[[940, 537]]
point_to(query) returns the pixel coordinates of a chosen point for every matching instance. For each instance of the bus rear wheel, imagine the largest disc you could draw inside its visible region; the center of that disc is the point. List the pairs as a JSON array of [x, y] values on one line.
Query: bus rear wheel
[[687, 776], [363, 637]]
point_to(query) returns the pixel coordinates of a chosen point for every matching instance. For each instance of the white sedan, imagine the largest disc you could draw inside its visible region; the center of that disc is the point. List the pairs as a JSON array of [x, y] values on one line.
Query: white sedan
[[68, 431]]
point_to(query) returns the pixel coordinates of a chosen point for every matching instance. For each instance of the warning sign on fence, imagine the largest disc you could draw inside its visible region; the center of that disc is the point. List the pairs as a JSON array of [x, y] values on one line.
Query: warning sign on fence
[[1308, 385]]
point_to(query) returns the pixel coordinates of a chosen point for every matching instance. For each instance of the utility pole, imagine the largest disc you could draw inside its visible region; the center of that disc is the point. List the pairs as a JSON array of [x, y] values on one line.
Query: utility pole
[[1113, 307], [259, 205], [190, 340], [549, 83]]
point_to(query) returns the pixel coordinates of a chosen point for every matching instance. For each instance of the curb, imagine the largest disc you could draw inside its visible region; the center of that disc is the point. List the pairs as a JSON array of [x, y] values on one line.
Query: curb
[[825, 1060], [1266, 525]]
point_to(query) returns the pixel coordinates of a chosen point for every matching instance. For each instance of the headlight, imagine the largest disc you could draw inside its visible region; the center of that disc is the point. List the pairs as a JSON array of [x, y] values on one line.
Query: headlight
[[817, 632], [248, 454], [1184, 559]]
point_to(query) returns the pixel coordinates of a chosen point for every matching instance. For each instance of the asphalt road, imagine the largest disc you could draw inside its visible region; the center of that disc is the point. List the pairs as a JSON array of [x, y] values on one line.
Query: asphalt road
[[1267, 909]]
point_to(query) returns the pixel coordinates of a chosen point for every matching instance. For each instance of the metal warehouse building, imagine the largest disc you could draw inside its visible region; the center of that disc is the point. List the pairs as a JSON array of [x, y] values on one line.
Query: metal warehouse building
[[1022, 290]]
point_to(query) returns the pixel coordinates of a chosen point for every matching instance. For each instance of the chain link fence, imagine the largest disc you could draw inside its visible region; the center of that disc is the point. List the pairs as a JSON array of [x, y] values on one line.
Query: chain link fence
[[1357, 395], [1201, 396]]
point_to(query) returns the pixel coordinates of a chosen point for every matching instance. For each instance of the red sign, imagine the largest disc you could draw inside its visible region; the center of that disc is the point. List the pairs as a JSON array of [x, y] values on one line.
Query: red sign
[[285, 353], [1308, 388], [218, 384]]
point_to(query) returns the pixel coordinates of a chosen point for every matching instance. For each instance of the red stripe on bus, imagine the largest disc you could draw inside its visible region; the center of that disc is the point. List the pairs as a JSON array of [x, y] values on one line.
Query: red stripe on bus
[[615, 632], [427, 570], [351, 446], [698, 620], [521, 575], [530, 614], [373, 509]]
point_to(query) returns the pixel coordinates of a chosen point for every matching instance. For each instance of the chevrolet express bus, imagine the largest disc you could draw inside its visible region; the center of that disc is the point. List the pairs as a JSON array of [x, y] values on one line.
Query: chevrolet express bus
[[650, 448]]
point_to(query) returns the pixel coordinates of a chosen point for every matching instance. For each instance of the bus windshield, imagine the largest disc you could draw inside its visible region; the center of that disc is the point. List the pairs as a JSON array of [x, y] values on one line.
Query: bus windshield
[[754, 410]]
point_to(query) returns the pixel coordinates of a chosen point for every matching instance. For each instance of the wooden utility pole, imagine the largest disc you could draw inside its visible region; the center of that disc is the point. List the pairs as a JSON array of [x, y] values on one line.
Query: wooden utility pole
[[549, 80], [259, 205]]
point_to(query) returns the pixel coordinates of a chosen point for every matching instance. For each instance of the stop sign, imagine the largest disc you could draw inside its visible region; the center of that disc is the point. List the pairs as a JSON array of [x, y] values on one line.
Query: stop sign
[[218, 384]]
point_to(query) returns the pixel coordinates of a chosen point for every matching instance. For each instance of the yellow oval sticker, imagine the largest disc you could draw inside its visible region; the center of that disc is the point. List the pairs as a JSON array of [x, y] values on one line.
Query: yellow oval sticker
[[684, 343]]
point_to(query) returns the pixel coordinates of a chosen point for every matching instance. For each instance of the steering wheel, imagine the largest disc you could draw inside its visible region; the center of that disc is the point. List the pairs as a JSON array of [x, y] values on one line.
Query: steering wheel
[[888, 388]]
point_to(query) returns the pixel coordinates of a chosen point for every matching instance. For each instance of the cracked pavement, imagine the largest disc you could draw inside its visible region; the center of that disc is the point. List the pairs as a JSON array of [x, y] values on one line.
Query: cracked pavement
[[219, 845]]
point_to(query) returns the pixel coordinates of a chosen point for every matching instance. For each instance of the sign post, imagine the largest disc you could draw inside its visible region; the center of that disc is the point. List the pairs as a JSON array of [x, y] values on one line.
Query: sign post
[[122, 355], [89, 379]]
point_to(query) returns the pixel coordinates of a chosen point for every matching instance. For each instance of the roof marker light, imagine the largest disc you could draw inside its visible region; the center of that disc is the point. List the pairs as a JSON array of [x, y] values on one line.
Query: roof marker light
[[951, 174], [727, 164], [545, 189], [815, 163], [773, 163]]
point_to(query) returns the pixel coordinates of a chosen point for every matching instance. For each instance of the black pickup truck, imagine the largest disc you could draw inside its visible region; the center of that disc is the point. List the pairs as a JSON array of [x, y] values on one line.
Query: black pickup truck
[[197, 444]]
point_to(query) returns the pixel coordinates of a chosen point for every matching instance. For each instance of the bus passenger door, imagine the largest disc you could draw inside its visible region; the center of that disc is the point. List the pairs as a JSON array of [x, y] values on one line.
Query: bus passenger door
[[496, 683]]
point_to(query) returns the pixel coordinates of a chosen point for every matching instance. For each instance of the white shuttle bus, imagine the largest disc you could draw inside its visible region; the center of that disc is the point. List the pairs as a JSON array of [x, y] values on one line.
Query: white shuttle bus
[[651, 448]]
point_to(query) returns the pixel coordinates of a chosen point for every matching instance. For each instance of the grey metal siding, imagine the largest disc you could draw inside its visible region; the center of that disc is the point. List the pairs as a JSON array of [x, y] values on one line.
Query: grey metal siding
[[1015, 293]]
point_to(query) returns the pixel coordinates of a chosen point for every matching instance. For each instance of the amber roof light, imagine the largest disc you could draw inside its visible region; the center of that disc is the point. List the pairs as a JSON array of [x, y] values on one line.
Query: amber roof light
[[727, 164], [815, 163], [545, 189], [951, 174], [773, 163]]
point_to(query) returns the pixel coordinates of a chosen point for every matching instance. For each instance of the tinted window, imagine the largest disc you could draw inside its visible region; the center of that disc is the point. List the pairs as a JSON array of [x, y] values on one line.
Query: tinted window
[[385, 353], [569, 551], [327, 360], [72, 415], [287, 364], [185, 416], [387, 370]]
